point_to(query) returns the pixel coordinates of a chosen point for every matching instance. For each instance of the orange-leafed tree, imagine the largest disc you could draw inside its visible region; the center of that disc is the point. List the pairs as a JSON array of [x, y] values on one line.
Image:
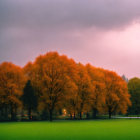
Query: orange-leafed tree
[[12, 82], [52, 75], [71, 96], [117, 97], [83, 83], [28, 70], [97, 96], [71, 100]]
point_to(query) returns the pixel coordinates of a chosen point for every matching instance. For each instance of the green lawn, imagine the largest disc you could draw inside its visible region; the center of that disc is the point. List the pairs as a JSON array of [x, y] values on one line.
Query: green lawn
[[72, 130]]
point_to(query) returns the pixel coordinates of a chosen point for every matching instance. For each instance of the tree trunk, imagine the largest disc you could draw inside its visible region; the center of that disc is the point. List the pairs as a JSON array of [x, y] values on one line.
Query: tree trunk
[[87, 115], [1, 114], [74, 116], [110, 113], [80, 115], [94, 115], [5, 113], [22, 114], [70, 116], [50, 111], [12, 114], [30, 113]]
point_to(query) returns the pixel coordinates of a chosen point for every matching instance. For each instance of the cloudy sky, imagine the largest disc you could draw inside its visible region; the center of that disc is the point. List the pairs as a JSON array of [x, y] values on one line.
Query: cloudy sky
[[105, 33]]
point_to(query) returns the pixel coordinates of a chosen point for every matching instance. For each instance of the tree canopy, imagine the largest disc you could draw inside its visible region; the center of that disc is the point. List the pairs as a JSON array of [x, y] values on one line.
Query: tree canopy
[[54, 82]]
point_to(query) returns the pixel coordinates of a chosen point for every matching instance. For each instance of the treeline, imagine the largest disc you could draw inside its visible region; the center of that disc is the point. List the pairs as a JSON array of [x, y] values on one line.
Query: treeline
[[54, 85]]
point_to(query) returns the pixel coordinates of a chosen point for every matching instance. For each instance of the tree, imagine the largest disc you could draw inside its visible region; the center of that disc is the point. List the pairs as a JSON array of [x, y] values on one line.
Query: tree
[[71, 100], [134, 90], [117, 97], [84, 89], [125, 78], [29, 99], [58, 83], [52, 75], [97, 96], [11, 85]]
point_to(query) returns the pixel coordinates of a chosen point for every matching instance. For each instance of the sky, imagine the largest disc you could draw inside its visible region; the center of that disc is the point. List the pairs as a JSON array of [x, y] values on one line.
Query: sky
[[105, 33]]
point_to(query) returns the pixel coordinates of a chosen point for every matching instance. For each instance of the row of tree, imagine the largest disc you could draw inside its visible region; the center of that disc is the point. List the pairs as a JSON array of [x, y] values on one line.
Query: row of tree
[[54, 82]]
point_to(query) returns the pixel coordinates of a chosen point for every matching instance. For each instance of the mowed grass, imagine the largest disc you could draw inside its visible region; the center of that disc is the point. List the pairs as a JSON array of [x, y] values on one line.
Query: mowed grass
[[72, 130]]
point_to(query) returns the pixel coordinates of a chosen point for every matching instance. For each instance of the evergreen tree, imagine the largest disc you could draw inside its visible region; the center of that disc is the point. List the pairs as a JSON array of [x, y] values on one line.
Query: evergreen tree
[[29, 99]]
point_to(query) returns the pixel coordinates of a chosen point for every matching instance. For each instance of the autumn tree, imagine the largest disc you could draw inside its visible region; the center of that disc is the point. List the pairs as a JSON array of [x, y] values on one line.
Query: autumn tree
[[117, 97], [84, 89], [29, 98], [97, 96], [134, 90], [58, 82], [11, 86], [28, 71], [77, 101], [70, 101], [51, 75]]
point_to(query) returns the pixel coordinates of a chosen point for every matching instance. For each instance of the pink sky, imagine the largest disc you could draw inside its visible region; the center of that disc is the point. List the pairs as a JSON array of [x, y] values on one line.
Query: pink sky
[[104, 33]]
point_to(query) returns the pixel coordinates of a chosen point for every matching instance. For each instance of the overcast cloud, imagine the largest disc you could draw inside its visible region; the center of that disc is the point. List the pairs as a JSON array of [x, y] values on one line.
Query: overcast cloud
[[104, 33]]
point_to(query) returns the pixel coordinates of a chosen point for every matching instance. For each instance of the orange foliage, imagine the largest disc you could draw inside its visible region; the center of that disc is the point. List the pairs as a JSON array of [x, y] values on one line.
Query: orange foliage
[[61, 82], [11, 85], [117, 97], [51, 74], [97, 96]]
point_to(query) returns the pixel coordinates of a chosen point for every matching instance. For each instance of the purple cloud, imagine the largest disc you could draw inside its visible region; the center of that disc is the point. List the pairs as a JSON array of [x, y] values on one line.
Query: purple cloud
[[101, 32]]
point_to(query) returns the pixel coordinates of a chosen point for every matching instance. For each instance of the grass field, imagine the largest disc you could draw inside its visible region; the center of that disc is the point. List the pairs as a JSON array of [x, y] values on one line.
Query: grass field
[[72, 130]]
